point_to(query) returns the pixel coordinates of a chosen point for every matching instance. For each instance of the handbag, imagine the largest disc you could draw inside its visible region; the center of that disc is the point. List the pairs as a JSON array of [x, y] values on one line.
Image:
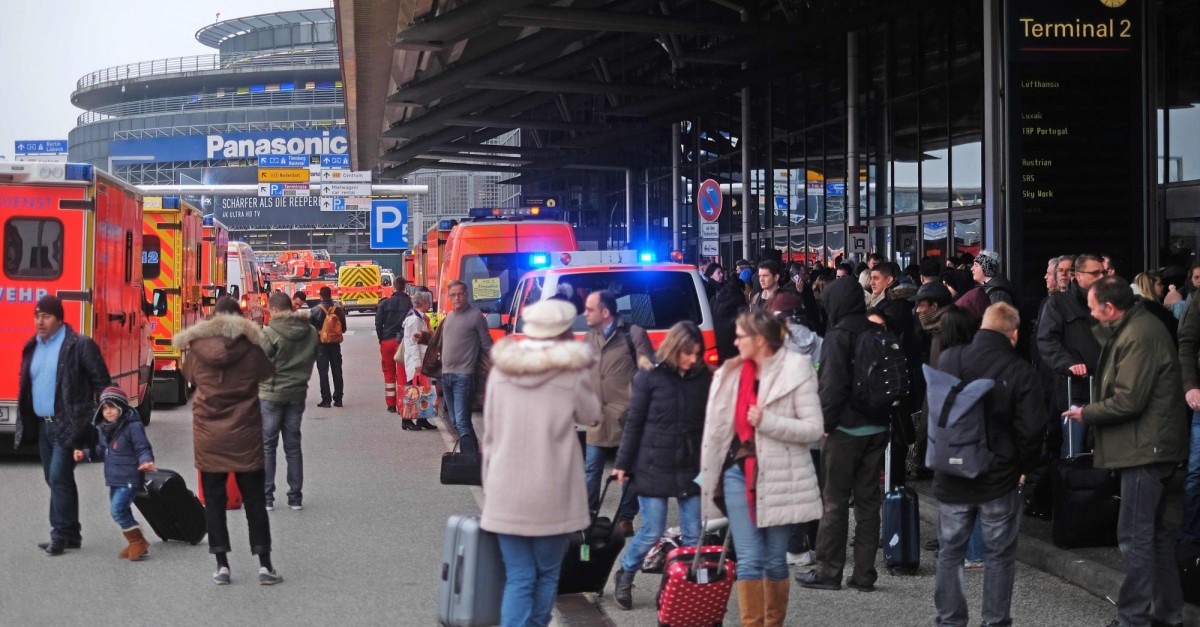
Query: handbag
[[431, 365], [399, 356], [426, 398], [462, 468]]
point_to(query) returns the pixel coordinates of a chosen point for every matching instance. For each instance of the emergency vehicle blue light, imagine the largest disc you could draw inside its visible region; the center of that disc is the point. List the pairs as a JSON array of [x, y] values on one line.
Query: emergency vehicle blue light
[[539, 260], [170, 202], [646, 257], [78, 172]]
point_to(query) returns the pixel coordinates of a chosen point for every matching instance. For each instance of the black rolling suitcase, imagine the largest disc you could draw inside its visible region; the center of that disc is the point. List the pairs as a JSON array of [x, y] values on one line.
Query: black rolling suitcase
[[170, 508], [901, 525], [1087, 500], [590, 557]]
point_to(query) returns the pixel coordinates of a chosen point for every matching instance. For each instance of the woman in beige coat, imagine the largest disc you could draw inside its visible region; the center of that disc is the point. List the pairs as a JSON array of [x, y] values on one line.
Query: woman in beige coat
[[539, 389], [755, 465]]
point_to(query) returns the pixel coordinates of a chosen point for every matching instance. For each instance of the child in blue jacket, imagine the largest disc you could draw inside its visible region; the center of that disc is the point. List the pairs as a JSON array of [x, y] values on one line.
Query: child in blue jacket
[[127, 454]]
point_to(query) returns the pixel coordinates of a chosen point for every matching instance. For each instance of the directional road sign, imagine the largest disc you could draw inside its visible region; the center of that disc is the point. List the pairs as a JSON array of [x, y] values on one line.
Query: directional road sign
[[283, 189], [709, 199], [345, 189], [858, 239], [40, 146], [335, 161], [389, 223], [283, 161], [345, 176], [338, 203], [283, 175]]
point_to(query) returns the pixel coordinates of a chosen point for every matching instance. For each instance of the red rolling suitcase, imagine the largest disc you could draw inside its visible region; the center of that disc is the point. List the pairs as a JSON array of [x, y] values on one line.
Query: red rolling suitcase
[[233, 494], [696, 585]]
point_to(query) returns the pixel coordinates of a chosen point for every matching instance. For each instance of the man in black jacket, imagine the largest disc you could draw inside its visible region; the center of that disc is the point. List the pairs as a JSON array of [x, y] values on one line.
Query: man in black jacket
[[1068, 348], [329, 354], [389, 326], [1015, 410], [62, 374], [853, 453]]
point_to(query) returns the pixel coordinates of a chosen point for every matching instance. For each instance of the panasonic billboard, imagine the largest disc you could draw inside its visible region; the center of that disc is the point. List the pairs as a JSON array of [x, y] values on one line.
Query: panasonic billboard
[[231, 145]]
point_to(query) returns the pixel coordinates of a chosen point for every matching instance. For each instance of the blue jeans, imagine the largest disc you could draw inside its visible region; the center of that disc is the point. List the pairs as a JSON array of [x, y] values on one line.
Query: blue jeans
[[654, 523], [1151, 576], [1000, 520], [593, 474], [119, 500], [975, 544], [283, 419], [761, 551], [531, 568], [1189, 528], [58, 467], [459, 392]]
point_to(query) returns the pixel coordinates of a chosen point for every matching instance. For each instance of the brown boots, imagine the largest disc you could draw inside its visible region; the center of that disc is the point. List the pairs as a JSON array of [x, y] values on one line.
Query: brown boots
[[763, 602], [138, 546]]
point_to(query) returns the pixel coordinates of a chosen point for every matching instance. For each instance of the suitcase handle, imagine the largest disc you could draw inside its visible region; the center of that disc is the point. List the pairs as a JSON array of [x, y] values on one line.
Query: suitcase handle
[[1091, 399], [458, 572], [720, 561]]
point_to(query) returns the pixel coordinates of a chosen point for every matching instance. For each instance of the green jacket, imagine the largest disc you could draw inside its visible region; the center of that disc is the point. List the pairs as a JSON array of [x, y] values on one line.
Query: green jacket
[[290, 342], [1141, 419]]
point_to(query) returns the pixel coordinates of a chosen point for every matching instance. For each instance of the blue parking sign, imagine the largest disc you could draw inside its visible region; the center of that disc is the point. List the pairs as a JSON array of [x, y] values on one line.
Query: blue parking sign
[[389, 224]]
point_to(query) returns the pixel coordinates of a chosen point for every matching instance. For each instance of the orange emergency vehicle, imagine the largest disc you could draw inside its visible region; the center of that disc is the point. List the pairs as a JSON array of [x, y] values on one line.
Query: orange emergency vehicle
[[214, 263], [246, 284], [172, 250], [491, 250], [306, 264], [73, 231]]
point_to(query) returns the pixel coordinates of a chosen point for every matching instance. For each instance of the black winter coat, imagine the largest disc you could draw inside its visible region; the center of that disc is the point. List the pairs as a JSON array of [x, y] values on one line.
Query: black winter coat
[[726, 305], [82, 376], [847, 313], [1064, 338], [1015, 411], [389, 318], [660, 446]]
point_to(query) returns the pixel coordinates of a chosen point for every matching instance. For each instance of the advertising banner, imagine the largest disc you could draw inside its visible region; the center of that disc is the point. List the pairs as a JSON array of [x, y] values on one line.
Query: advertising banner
[[232, 145]]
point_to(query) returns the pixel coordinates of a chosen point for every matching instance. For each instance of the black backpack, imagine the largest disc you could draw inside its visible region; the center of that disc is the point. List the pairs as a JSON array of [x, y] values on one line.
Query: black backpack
[[880, 370]]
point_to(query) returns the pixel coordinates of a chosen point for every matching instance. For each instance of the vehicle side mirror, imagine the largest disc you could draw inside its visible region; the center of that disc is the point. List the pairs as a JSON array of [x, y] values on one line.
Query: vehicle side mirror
[[493, 321], [219, 292], [235, 292], [158, 303], [266, 287]]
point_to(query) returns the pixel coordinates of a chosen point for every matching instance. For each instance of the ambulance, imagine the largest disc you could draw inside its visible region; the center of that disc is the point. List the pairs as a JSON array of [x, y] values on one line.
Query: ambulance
[[360, 285], [493, 248], [246, 283], [172, 268], [75, 232], [214, 264]]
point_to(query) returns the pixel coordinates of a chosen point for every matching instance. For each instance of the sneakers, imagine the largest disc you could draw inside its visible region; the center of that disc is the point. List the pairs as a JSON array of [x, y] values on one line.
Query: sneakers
[[850, 583], [268, 577], [296, 506], [804, 558], [221, 577], [270, 506], [972, 564]]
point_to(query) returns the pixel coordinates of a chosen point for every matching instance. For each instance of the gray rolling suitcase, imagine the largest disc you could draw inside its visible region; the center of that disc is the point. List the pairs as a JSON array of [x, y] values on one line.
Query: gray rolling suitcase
[[472, 578]]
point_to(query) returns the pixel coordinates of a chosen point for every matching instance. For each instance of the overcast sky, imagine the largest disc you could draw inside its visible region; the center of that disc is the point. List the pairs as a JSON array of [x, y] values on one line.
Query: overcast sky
[[46, 46]]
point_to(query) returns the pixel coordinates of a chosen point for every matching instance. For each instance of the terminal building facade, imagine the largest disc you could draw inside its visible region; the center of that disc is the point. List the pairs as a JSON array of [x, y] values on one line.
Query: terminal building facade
[[909, 128], [272, 85]]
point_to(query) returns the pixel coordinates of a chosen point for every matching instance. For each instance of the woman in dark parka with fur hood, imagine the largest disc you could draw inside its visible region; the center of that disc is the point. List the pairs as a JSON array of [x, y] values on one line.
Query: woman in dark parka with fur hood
[[224, 359]]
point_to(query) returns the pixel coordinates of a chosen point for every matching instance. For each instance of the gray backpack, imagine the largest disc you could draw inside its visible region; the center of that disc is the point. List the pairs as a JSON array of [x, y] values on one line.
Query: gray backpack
[[958, 440]]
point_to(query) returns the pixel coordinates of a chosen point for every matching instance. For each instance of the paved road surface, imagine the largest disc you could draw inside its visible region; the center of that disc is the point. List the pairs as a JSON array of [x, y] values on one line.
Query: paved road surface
[[366, 548]]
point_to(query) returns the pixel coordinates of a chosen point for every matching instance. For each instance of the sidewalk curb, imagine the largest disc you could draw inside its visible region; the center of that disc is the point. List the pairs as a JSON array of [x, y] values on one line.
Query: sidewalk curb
[[1090, 575]]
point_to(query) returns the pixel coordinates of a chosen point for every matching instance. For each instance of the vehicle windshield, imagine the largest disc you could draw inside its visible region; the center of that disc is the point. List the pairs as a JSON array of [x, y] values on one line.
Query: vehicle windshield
[[491, 279], [647, 298]]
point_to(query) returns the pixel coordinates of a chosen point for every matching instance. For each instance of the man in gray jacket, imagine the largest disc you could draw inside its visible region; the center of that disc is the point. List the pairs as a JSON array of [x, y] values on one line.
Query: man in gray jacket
[[290, 342], [619, 347], [1140, 430]]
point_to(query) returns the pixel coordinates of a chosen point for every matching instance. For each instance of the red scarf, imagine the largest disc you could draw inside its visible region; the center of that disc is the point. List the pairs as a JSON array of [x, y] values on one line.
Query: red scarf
[[746, 398]]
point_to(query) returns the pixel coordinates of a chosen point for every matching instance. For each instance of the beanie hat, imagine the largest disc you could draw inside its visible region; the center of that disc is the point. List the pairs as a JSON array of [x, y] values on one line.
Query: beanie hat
[[934, 292], [745, 275], [930, 266], [114, 395], [989, 262], [49, 304]]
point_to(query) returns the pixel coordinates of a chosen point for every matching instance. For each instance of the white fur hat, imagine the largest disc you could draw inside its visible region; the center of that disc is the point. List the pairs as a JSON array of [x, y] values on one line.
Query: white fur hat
[[548, 319]]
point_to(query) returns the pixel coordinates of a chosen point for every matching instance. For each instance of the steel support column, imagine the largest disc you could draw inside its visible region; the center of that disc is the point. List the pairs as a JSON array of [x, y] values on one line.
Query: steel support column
[[675, 182], [852, 191]]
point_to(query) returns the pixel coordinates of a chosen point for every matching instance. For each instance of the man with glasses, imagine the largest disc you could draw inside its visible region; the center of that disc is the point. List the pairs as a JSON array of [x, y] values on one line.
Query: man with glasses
[[1068, 347]]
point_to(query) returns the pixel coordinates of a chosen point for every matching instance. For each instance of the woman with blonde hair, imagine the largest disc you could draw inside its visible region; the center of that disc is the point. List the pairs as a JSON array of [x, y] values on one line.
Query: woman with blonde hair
[[755, 465], [660, 446]]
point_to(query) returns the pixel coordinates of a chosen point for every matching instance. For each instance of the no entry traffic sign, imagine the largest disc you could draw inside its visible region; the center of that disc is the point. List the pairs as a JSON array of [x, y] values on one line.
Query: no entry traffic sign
[[709, 199]]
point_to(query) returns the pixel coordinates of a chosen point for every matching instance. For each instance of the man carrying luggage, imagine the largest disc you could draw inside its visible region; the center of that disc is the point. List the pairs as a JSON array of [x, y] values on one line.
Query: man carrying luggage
[[329, 353], [1014, 423], [1140, 429], [62, 374]]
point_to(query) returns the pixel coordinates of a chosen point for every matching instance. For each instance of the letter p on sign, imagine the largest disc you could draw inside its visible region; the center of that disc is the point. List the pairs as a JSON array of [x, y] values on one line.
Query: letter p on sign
[[389, 224]]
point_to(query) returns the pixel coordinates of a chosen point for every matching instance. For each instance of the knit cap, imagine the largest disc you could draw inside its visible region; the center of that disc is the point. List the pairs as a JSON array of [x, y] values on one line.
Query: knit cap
[[116, 396], [989, 262]]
